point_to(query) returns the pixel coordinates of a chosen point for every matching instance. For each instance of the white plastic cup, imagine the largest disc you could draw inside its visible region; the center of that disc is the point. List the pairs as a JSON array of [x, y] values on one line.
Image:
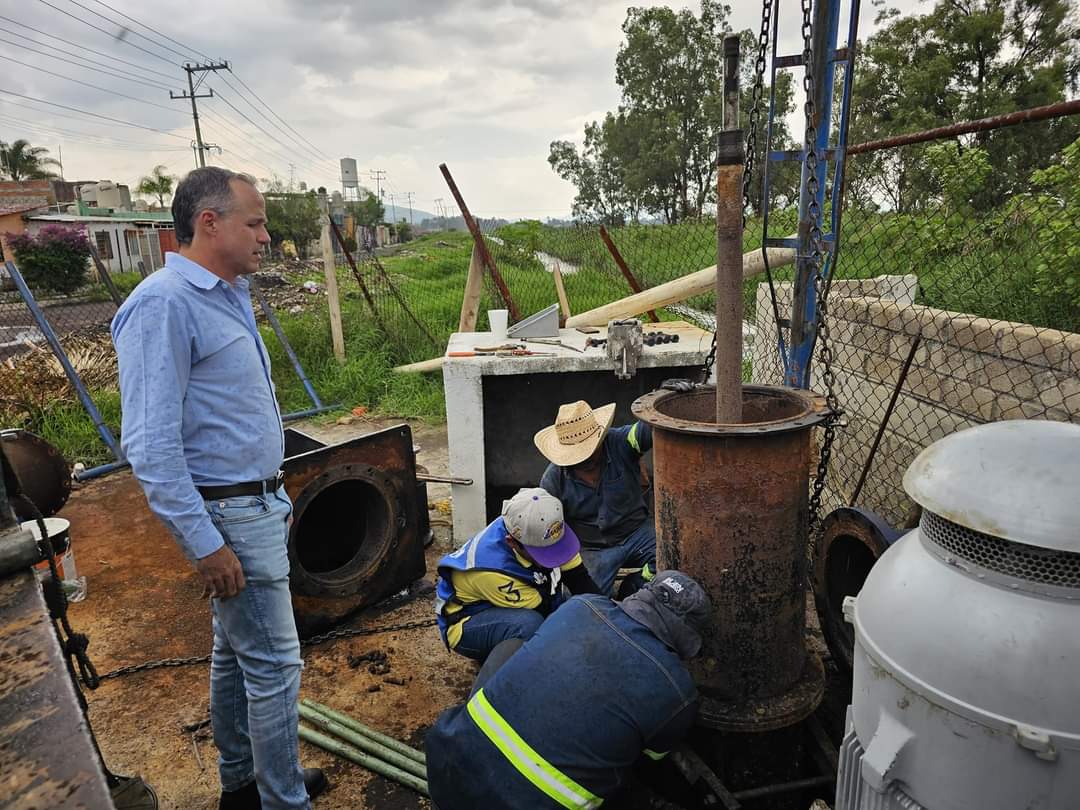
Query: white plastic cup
[[498, 318]]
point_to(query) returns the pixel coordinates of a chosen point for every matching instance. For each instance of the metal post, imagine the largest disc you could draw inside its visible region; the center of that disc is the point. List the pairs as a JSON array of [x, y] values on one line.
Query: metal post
[[478, 239], [284, 341], [804, 302], [729, 261], [621, 264], [69, 370]]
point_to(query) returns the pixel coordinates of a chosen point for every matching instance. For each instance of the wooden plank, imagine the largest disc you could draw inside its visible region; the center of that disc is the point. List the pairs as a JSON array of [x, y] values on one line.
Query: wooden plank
[[680, 289], [330, 274], [434, 364], [474, 288], [560, 290]]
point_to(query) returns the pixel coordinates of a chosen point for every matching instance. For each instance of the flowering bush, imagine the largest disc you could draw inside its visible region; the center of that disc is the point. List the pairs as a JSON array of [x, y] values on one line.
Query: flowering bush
[[54, 260]]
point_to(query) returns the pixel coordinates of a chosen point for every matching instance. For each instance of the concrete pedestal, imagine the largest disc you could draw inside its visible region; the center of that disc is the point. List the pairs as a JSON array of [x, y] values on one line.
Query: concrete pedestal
[[494, 406]]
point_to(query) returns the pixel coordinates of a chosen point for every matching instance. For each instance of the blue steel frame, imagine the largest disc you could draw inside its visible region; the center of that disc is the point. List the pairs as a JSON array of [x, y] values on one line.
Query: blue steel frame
[[92, 409], [797, 357]]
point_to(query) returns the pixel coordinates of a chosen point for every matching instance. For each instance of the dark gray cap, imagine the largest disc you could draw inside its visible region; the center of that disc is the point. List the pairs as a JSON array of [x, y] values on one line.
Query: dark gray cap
[[675, 608]]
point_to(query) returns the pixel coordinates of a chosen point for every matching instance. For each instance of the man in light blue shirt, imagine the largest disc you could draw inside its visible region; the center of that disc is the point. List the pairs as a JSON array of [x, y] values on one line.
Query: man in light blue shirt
[[202, 430]]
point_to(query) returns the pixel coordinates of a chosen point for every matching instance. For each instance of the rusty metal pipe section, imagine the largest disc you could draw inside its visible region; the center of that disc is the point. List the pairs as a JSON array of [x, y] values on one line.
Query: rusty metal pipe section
[[359, 523], [729, 261], [731, 505]]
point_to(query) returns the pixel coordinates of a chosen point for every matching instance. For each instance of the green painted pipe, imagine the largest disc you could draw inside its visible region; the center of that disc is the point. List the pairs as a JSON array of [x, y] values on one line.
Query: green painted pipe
[[365, 744], [371, 763], [360, 728]]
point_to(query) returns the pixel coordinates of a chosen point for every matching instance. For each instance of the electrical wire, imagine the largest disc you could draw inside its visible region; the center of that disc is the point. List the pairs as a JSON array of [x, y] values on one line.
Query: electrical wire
[[181, 54], [107, 33], [151, 28], [93, 86], [92, 114], [286, 123], [82, 47], [74, 134], [91, 66]]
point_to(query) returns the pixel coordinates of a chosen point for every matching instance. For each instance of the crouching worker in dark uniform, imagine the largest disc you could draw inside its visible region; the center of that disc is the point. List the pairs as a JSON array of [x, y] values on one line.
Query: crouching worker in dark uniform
[[507, 579], [564, 719]]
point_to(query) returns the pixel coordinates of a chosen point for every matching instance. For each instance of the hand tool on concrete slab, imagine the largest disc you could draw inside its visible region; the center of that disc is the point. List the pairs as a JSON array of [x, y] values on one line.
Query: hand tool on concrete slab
[[553, 342], [507, 353]]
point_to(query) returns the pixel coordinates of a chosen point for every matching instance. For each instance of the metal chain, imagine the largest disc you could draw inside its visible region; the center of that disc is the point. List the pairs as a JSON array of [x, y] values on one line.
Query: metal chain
[[816, 258], [751, 145], [346, 632]]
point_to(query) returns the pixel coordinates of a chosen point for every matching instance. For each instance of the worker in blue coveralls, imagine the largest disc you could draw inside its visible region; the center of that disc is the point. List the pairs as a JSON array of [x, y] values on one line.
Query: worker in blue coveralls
[[508, 578], [595, 471], [562, 721]]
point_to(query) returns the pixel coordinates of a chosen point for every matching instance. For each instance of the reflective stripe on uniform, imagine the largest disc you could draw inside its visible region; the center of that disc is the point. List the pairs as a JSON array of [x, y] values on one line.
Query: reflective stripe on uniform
[[647, 573], [529, 763], [655, 755], [631, 438]]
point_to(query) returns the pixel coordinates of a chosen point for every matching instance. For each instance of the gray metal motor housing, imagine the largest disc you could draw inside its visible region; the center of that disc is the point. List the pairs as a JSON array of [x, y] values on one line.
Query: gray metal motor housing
[[966, 688]]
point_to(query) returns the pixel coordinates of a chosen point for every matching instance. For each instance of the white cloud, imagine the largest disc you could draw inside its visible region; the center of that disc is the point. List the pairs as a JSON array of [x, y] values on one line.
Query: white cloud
[[401, 85]]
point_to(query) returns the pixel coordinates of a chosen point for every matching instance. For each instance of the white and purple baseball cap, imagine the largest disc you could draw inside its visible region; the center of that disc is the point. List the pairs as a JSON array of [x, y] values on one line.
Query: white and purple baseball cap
[[534, 517]]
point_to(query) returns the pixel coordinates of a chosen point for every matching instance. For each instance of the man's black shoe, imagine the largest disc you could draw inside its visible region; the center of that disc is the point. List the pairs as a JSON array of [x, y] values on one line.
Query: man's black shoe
[[315, 781], [247, 797]]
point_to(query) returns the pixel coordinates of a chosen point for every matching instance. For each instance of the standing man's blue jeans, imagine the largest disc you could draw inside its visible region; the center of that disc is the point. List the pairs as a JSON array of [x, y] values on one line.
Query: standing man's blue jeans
[[636, 551], [484, 630], [255, 670]]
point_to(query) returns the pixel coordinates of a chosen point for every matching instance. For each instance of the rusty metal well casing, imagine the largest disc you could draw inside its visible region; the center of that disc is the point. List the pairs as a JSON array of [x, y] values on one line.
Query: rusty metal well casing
[[731, 504]]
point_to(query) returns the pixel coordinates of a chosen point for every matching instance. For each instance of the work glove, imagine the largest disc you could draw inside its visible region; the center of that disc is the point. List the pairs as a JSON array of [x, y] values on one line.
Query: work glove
[[678, 384]]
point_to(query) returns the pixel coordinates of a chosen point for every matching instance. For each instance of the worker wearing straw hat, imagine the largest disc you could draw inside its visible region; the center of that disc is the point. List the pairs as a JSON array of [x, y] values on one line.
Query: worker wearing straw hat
[[595, 472]]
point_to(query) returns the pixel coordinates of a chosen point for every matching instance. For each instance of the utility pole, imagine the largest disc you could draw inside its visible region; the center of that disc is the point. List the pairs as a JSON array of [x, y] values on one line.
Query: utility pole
[[393, 209], [377, 175], [438, 207], [201, 148], [409, 196]]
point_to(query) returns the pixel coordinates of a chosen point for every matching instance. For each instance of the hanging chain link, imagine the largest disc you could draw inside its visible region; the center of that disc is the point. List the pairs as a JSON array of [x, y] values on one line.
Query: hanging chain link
[[345, 632], [751, 146], [817, 263]]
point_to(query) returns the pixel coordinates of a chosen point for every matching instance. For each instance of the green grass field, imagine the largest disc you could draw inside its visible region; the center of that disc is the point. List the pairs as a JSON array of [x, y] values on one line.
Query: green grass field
[[960, 266]]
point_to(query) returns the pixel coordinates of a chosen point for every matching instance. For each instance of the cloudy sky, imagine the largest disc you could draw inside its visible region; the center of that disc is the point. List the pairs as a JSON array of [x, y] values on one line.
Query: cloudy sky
[[483, 85]]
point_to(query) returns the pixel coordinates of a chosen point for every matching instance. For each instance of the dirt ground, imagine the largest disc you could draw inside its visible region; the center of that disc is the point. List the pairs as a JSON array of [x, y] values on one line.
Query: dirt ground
[[144, 604]]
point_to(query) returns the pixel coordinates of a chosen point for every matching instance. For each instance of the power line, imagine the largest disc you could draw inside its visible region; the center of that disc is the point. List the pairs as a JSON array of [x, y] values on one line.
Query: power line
[[244, 138], [94, 115], [107, 33], [286, 123], [255, 124], [87, 84], [82, 47], [264, 115], [91, 66], [124, 27], [48, 128], [150, 28]]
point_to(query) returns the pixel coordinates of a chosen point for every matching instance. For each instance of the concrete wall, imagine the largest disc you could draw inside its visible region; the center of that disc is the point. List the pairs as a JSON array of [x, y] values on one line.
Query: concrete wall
[[967, 371]]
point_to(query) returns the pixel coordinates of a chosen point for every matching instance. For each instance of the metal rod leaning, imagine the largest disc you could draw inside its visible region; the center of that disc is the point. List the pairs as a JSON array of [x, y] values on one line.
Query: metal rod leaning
[[369, 762], [365, 744], [360, 728]]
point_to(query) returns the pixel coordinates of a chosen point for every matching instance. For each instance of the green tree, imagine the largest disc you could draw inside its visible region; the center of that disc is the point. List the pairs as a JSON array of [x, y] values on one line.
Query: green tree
[[368, 211], [1055, 210], [21, 161], [965, 59], [293, 217], [157, 184], [656, 154]]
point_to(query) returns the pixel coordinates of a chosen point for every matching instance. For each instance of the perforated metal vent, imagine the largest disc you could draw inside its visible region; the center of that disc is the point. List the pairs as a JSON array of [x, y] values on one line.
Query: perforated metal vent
[[1057, 569]]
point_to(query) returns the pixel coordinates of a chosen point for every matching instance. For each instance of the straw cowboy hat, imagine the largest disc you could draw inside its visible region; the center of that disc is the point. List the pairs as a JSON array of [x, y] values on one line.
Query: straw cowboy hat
[[577, 432]]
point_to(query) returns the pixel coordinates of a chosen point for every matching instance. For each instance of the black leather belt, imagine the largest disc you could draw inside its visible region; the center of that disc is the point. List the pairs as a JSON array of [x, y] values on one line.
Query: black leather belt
[[240, 490]]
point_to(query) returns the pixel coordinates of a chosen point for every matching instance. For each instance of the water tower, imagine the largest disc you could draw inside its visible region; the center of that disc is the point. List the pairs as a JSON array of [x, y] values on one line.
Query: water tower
[[349, 178]]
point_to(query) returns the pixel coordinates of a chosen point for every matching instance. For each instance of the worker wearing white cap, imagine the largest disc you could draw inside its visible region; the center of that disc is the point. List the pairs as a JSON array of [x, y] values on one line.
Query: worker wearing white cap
[[507, 579]]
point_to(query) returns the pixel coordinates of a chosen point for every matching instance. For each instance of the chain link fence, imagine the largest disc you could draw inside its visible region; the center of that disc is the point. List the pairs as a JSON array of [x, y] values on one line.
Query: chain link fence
[[980, 264]]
